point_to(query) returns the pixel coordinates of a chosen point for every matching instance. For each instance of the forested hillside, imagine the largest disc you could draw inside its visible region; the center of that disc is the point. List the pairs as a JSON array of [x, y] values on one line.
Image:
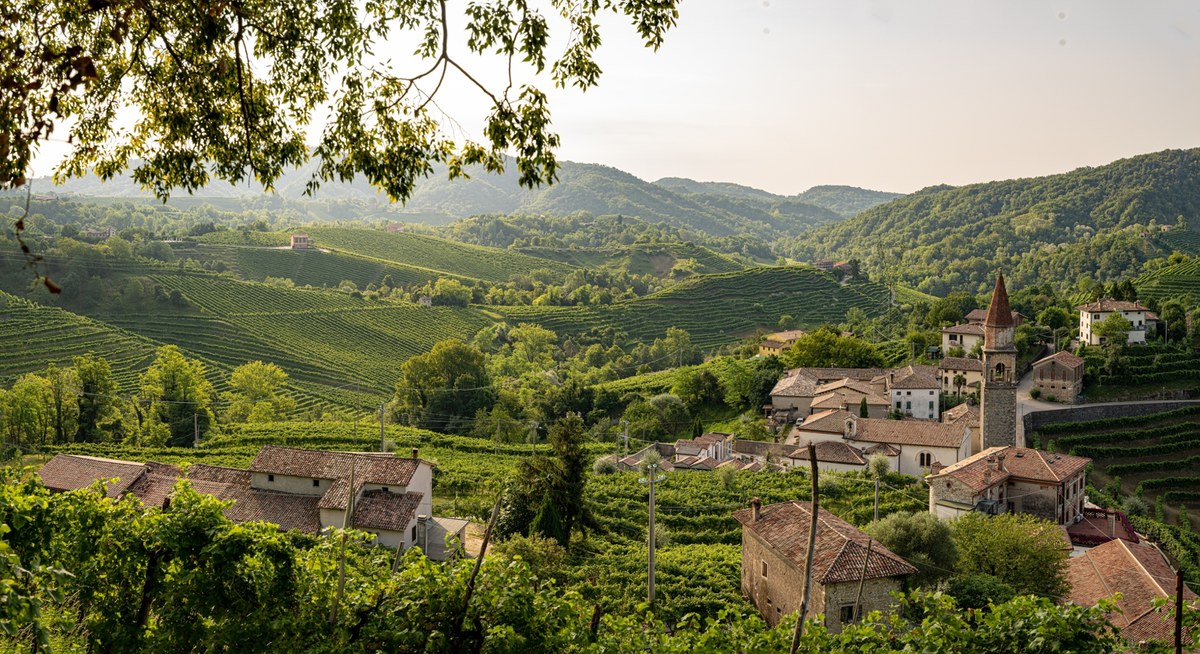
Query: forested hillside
[[844, 201], [1097, 222]]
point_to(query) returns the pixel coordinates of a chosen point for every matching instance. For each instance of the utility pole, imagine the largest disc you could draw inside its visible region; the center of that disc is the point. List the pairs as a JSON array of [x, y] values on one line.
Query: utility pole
[[355, 431], [1179, 611], [196, 429], [877, 498], [812, 543], [533, 428], [652, 477], [625, 436], [382, 446]]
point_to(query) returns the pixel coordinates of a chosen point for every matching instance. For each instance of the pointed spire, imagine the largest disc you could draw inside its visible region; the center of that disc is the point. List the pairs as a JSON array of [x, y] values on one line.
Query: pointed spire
[[999, 313]]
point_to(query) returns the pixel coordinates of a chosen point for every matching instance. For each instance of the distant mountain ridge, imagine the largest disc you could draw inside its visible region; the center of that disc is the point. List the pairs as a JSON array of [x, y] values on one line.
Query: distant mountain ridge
[[845, 201], [721, 210]]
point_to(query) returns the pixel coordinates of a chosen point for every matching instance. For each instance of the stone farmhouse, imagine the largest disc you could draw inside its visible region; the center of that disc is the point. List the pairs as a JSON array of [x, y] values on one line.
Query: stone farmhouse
[[971, 371], [306, 490], [1059, 376], [1141, 574], [793, 394], [848, 395], [913, 446], [913, 390], [774, 549], [1094, 313], [302, 242], [1010, 479], [775, 344]]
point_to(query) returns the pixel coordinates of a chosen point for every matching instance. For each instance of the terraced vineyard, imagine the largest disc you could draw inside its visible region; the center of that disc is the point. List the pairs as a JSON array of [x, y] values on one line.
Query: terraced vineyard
[[1183, 240], [1157, 454], [1170, 281], [33, 335], [435, 255], [656, 259], [717, 309], [1149, 365], [309, 267]]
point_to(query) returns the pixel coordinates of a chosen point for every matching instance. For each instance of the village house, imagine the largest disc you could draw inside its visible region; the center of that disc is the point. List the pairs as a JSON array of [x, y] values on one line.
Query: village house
[[971, 371], [1059, 376], [824, 264], [1141, 574], [1009, 479], [774, 550], [965, 336], [302, 242], [99, 234], [1094, 313], [775, 344], [848, 395], [915, 391], [977, 316], [307, 490], [912, 446], [965, 414], [792, 395]]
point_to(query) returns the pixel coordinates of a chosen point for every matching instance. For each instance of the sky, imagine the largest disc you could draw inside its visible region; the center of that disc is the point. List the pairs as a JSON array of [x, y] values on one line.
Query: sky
[[893, 95]]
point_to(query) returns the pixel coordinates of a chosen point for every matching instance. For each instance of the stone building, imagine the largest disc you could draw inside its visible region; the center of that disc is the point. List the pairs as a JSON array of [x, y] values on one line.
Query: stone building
[[1009, 479], [971, 370], [1059, 376], [913, 446], [774, 549], [998, 401]]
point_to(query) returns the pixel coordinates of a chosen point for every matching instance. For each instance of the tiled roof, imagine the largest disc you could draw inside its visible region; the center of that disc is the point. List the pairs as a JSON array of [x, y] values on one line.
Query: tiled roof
[[999, 314], [910, 432], [795, 383], [784, 336], [371, 467], [881, 448], [963, 413], [831, 421], [1137, 571], [838, 452], [1109, 304], [961, 363], [841, 399], [970, 328], [840, 548], [833, 374], [979, 315], [1063, 358], [710, 437], [922, 377], [72, 471], [1020, 462], [380, 509], [760, 448], [856, 385]]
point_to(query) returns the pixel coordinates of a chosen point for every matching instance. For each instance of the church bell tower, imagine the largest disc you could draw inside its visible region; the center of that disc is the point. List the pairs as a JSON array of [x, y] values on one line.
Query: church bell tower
[[998, 397]]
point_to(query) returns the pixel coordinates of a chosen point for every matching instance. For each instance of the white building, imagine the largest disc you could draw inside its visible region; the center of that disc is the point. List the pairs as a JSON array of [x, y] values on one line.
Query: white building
[[1094, 313], [915, 391], [913, 446]]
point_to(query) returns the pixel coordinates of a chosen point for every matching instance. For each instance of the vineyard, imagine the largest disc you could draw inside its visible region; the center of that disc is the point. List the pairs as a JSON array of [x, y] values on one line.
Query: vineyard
[[717, 309], [33, 335], [699, 555], [308, 267], [1153, 365], [1171, 281], [438, 256], [641, 259], [1181, 240]]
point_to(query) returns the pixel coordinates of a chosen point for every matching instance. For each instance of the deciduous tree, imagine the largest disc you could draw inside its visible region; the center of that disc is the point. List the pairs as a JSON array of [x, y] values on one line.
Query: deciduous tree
[[1020, 550], [177, 396], [257, 394]]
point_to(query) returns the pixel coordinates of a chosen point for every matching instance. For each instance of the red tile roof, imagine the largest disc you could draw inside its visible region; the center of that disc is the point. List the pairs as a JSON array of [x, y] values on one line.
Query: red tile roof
[[67, 472], [380, 509], [963, 413], [371, 467], [922, 377], [840, 548], [1140, 573], [978, 473], [961, 363], [910, 432], [999, 314], [838, 452], [971, 328], [1063, 358], [1109, 304]]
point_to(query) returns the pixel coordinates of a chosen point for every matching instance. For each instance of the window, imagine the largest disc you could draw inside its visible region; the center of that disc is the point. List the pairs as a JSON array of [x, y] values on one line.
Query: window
[[897, 404], [925, 459], [846, 614], [316, 483], [908, 406], [931, 392], [931, 407], [414, 535], [764, 568], [270, 477], [385, 489]]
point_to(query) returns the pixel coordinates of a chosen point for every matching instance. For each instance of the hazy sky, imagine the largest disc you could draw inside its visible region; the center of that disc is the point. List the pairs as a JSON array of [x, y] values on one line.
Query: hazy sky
[[887, 94]]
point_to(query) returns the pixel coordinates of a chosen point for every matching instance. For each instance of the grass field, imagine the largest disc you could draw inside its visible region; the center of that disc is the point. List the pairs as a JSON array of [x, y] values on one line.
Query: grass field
[[717, 309]]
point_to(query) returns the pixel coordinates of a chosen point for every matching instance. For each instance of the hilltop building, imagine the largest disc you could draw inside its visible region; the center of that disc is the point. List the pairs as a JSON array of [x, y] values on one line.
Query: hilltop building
[[998, 401], [1094, 313], [1059, 376], [774, 549], [306, 490], [302, 242]]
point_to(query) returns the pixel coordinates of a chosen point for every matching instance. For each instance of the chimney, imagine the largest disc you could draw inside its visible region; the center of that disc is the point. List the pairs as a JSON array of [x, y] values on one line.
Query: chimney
[[1112, 524], [1000, 463], [755, 510], [415, 453]]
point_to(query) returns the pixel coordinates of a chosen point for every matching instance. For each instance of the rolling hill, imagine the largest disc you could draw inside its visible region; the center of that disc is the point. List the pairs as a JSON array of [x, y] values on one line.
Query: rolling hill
[[845, 201], [717, 309], [1095, 222]]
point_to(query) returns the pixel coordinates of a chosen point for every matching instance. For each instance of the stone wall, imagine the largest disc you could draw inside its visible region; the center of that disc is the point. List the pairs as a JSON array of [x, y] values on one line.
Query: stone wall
[[876, 596], [1036, 419], [998, 408], [781, 590]]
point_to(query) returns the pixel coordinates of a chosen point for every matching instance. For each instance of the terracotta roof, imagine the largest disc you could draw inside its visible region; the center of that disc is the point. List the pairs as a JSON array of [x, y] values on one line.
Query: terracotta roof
[[1109, 304], [910, 432], [833, 374], [837, 452], [961, 363], [1140, 573], [964, 413], [713, 437], [832, 421], [380, 509], [881, 448], [795, 383], [67, 472], [970, 328], [840, 548], [371, 467], [784, 336], [999, 314], [915, 377], [1063, 358], [1021, 462], [841, 399], [855, 385], [979, 315]]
